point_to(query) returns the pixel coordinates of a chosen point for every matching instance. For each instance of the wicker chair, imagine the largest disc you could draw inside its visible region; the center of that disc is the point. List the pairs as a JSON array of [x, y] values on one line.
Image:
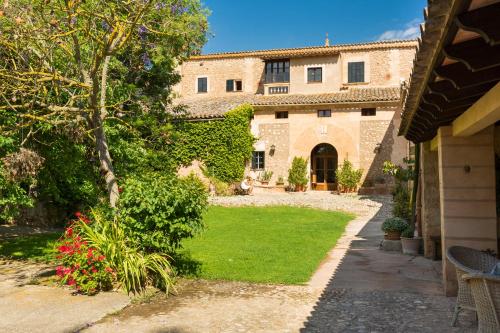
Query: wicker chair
[[467, 261], [486, 291]]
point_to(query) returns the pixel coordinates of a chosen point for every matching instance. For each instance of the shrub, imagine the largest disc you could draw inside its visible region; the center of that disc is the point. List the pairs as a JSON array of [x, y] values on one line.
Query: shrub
[[266, 176], [221, 188], [135, 270], [409, 232], [348, 178], [83, 267], [297, 174], [401, 200], [159, 212], [394, 224]]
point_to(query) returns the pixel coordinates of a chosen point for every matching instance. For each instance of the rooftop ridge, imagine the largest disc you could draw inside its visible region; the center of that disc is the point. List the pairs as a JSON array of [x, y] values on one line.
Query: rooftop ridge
[[337, 47]]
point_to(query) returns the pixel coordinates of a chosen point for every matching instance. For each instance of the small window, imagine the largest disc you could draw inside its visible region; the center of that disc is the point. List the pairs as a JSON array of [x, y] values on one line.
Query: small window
[[202, 85], [314, 74], [324, 113], [234, 85], [356, 72], [258, 160], [369, 112], [281, 114]]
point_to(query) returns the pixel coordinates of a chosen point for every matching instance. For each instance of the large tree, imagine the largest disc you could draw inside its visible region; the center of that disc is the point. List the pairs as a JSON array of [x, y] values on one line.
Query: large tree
[[72, 65]]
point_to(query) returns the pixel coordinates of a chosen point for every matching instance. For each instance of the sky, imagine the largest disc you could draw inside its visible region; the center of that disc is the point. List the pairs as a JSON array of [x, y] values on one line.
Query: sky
[[241, 25]]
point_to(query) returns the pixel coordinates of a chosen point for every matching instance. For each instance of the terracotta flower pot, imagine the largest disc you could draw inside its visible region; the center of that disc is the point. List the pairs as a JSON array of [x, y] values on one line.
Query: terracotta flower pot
[[299, 188], [392, 235], [264, 182], [411, 245]]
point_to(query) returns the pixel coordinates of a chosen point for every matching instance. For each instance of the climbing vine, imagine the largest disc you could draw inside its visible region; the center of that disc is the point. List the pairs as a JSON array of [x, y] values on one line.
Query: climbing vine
[[223, 145]]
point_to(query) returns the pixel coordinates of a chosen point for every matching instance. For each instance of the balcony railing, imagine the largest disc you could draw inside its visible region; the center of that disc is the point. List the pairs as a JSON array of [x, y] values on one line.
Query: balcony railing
[[277, 77]]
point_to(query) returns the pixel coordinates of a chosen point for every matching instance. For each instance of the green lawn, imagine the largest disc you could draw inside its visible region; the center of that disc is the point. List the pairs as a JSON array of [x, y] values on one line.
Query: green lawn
[[264, 244], [36, 247]]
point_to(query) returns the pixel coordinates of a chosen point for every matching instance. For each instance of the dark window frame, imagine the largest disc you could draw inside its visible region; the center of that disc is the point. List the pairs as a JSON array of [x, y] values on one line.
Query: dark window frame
[[324, 113], [234, 85], [368, 112], [277, 71], [313, 76], [356, 72], [202, 88], [258, 160], [281, 115]]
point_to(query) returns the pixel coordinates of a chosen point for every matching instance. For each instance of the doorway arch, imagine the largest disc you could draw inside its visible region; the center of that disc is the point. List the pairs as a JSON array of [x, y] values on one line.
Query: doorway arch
[[324, 163]]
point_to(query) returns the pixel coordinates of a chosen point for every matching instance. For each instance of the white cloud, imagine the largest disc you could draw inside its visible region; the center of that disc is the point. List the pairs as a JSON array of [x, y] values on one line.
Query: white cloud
[[411, 31]]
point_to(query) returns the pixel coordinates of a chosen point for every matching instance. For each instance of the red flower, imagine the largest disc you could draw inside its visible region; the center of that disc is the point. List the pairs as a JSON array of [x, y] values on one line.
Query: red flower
[[109, 269], [94, 270], [71, 282], [84, 271], [78, 214], [69, 232], [60, 271], [120, 189], [101, 258]]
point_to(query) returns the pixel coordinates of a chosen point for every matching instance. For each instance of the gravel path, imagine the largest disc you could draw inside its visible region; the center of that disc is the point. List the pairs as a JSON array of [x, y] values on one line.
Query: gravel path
[[359, 205]]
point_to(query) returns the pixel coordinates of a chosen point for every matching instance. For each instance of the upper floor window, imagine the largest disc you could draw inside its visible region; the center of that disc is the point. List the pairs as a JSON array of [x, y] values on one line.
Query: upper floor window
[[258, 160], [356, 72], [369, 112], [324, 113], [234, 85], [277, 71], [314, 74], [281, 115], [202, 85]]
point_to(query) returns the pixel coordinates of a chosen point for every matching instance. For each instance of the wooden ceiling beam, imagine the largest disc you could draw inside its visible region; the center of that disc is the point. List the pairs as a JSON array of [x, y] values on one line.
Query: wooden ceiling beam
[[484, 21], [461, 77], [475, 54], [448, 91]]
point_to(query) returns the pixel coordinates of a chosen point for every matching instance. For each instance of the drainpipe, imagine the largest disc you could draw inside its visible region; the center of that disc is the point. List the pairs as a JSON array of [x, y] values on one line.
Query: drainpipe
[[416, 190]]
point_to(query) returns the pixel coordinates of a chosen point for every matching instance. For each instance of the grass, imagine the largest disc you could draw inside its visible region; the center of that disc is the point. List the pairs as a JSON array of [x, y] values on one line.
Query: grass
[[264, 244], [35, 247]]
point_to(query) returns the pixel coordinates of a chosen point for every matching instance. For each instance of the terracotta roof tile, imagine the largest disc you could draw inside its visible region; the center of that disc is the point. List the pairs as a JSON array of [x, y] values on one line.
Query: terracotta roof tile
[[308, 51], [214, 107]]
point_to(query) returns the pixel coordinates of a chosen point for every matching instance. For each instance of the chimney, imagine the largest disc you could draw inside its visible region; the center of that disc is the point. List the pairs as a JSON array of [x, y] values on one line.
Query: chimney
[[327, 41]]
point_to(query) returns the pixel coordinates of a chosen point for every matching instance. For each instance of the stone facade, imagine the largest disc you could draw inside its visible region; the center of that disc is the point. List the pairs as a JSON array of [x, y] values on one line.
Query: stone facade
[[366, 141]]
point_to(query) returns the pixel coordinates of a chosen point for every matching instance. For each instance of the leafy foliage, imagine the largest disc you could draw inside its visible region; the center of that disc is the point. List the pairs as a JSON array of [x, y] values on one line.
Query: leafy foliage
[[401, 194], [159, 212], [134, 269], [83, 267], [394, 224], [409, 232], [348, 178], [222, 145], [297, 174]]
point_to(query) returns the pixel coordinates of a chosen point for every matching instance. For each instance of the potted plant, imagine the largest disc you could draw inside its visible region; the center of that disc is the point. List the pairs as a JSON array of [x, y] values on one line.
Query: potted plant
[[393, 227], [265, 177], [297, 175], [409, 242], [280, 181]]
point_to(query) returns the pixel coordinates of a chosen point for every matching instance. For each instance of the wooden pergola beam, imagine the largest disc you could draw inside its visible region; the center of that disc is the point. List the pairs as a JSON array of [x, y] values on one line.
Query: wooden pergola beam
[[483, 21]]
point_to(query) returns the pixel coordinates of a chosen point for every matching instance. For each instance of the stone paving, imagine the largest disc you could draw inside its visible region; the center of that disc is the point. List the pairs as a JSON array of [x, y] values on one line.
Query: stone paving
[[358, 288]]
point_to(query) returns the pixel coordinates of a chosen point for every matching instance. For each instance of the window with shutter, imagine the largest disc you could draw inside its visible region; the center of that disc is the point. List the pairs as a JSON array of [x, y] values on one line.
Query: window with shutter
[[202, 85], [230, 85], [356, 72]]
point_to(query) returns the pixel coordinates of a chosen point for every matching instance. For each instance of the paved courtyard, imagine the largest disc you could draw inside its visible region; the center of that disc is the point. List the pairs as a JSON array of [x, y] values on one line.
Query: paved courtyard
[[358, 288]]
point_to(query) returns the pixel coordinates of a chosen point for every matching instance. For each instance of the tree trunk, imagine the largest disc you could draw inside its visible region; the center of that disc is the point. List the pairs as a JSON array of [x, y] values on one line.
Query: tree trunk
[[98, 117]]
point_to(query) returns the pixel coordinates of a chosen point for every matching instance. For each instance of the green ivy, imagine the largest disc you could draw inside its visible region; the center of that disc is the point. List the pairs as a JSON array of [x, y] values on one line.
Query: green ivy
[[223, 145]]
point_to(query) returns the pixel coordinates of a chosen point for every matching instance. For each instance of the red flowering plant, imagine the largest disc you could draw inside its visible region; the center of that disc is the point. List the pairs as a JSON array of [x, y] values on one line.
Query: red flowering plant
[[82, 266]]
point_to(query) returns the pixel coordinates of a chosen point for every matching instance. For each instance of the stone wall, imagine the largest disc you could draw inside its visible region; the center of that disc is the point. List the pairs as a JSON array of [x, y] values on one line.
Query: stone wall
[[276, 134], [373, 133]]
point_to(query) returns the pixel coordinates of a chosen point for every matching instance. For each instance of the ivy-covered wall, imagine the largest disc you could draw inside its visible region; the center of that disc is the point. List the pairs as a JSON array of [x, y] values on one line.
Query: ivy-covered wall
[[223, 145]]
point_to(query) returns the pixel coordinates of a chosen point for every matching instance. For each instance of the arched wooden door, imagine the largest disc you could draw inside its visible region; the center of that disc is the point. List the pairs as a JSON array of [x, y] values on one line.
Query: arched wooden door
[[324, 162]]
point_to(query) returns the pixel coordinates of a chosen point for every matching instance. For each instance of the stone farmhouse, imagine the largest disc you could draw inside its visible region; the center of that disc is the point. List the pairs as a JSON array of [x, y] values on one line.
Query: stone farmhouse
[[326, 104]]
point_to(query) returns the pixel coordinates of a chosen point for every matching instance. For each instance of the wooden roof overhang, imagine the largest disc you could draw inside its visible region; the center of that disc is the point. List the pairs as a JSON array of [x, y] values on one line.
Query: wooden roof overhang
[[457, 62]]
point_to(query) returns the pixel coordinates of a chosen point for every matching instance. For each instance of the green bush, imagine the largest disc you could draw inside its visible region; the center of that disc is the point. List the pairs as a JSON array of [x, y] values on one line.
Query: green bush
[[134, 268], [348, 178], [221, 188], [297, 174], [401, 201], [159, 212], [266, 176], [394, 224], [409, 232]]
